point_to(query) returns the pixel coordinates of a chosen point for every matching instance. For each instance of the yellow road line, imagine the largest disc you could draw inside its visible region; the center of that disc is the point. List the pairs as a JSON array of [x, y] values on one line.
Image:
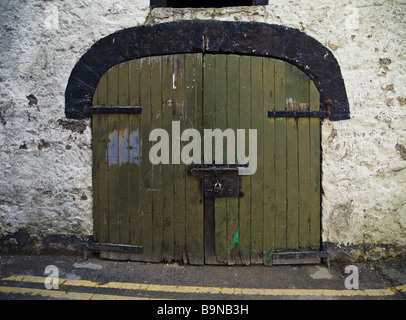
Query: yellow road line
[[57, 294], [216, 290]]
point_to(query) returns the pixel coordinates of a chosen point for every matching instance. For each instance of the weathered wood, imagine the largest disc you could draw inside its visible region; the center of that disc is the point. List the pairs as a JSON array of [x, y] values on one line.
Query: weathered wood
[[269, 161], [162, 207], [233, 121], [257, 180], [193, 196], [135, 155], [100, 168], [292, 167], [112, 152], [146, 167], [179, 169], [156, 171], [167, 171], [220, 204], [244, 200], [315, 171], [124, 156], [209, 121], [280, 157]]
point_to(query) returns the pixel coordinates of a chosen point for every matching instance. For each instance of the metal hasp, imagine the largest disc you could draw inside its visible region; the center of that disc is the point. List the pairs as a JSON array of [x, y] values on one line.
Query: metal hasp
[[220, 181], [113, 110]]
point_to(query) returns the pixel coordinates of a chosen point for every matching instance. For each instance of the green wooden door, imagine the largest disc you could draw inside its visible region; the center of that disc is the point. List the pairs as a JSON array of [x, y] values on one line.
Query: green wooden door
[[278, 208], [158, 207], [162, 207]]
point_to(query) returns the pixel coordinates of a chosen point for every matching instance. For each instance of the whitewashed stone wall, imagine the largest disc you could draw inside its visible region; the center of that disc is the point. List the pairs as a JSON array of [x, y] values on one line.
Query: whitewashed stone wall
[[45, 159]]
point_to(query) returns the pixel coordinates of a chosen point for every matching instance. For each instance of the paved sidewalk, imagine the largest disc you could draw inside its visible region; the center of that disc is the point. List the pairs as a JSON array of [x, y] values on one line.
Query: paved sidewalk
[[72, 277]]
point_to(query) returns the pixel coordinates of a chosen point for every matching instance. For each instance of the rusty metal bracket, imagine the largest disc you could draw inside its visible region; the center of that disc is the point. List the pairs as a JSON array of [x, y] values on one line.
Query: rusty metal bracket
[[113, 110], [305, 257], [298, 114], [111, 247]]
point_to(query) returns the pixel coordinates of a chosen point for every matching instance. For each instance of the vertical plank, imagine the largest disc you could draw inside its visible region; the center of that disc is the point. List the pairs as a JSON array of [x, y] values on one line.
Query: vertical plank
[[292, 170], [257, 180], [100, 168], [135, 153], [304, 166], [193, 196], [233, 122], [209, 122], [145, 166], [244, 201], [167, 170], [269, 159], [96, 137], [280, 158], [113, 150], [156, 171], [220, 205], [179, 170], [123, 155], [315, 170]]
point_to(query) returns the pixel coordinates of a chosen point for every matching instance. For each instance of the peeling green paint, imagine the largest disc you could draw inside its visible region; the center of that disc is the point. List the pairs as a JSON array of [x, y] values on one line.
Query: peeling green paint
[[236, 238], [268, 255]]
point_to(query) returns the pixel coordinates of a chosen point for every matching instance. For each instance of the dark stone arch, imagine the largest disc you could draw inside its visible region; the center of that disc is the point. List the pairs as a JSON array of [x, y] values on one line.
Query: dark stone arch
[[211, 36]]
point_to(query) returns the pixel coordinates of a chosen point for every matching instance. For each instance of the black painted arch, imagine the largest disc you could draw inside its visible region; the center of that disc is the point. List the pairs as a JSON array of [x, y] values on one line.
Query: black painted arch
[[210, 36]]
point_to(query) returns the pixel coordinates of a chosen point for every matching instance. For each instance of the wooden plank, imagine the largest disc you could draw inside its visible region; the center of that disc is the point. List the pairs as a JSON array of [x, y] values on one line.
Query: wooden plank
[[179, 170], [167, 171], [304, 162], [146, 166], [292, 167], [220, 204], [233, 122], [193, 196], [135, 153], [315, 171], [304, 182], [257, 180], [123, 155], [244, 200], [280, 158], [209, 122], [269, 161], [99, 163], [113, 150], [156, 172]]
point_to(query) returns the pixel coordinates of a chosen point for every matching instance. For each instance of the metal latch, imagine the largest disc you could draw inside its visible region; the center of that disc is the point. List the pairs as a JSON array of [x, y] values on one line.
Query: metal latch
[[219, 181]]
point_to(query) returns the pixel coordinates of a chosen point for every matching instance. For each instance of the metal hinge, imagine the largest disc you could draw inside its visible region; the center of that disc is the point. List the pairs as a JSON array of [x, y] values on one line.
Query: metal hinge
[[305, 257], [298, 114], [113, 110], [111, 247]]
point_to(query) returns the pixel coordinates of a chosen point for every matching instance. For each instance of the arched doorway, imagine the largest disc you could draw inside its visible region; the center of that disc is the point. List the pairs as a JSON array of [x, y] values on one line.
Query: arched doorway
[[263, 218]]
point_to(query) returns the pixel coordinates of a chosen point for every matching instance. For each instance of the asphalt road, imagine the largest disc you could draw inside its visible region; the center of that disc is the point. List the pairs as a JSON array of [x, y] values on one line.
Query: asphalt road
[[74, 278]]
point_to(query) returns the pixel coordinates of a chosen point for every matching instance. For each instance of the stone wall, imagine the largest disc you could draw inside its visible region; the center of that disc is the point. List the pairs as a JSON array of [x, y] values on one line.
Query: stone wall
[[45, 159]]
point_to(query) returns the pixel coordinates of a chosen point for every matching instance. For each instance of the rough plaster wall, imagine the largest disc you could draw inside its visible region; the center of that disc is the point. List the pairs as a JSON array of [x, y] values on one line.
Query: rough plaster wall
[[45, 160]]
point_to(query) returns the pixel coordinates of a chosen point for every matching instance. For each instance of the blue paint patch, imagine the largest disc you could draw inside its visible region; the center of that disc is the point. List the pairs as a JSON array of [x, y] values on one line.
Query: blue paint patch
[[123, 147]]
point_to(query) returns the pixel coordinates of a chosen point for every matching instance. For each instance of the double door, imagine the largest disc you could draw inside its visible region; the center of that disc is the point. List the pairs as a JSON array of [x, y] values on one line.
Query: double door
[[169, 207]]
